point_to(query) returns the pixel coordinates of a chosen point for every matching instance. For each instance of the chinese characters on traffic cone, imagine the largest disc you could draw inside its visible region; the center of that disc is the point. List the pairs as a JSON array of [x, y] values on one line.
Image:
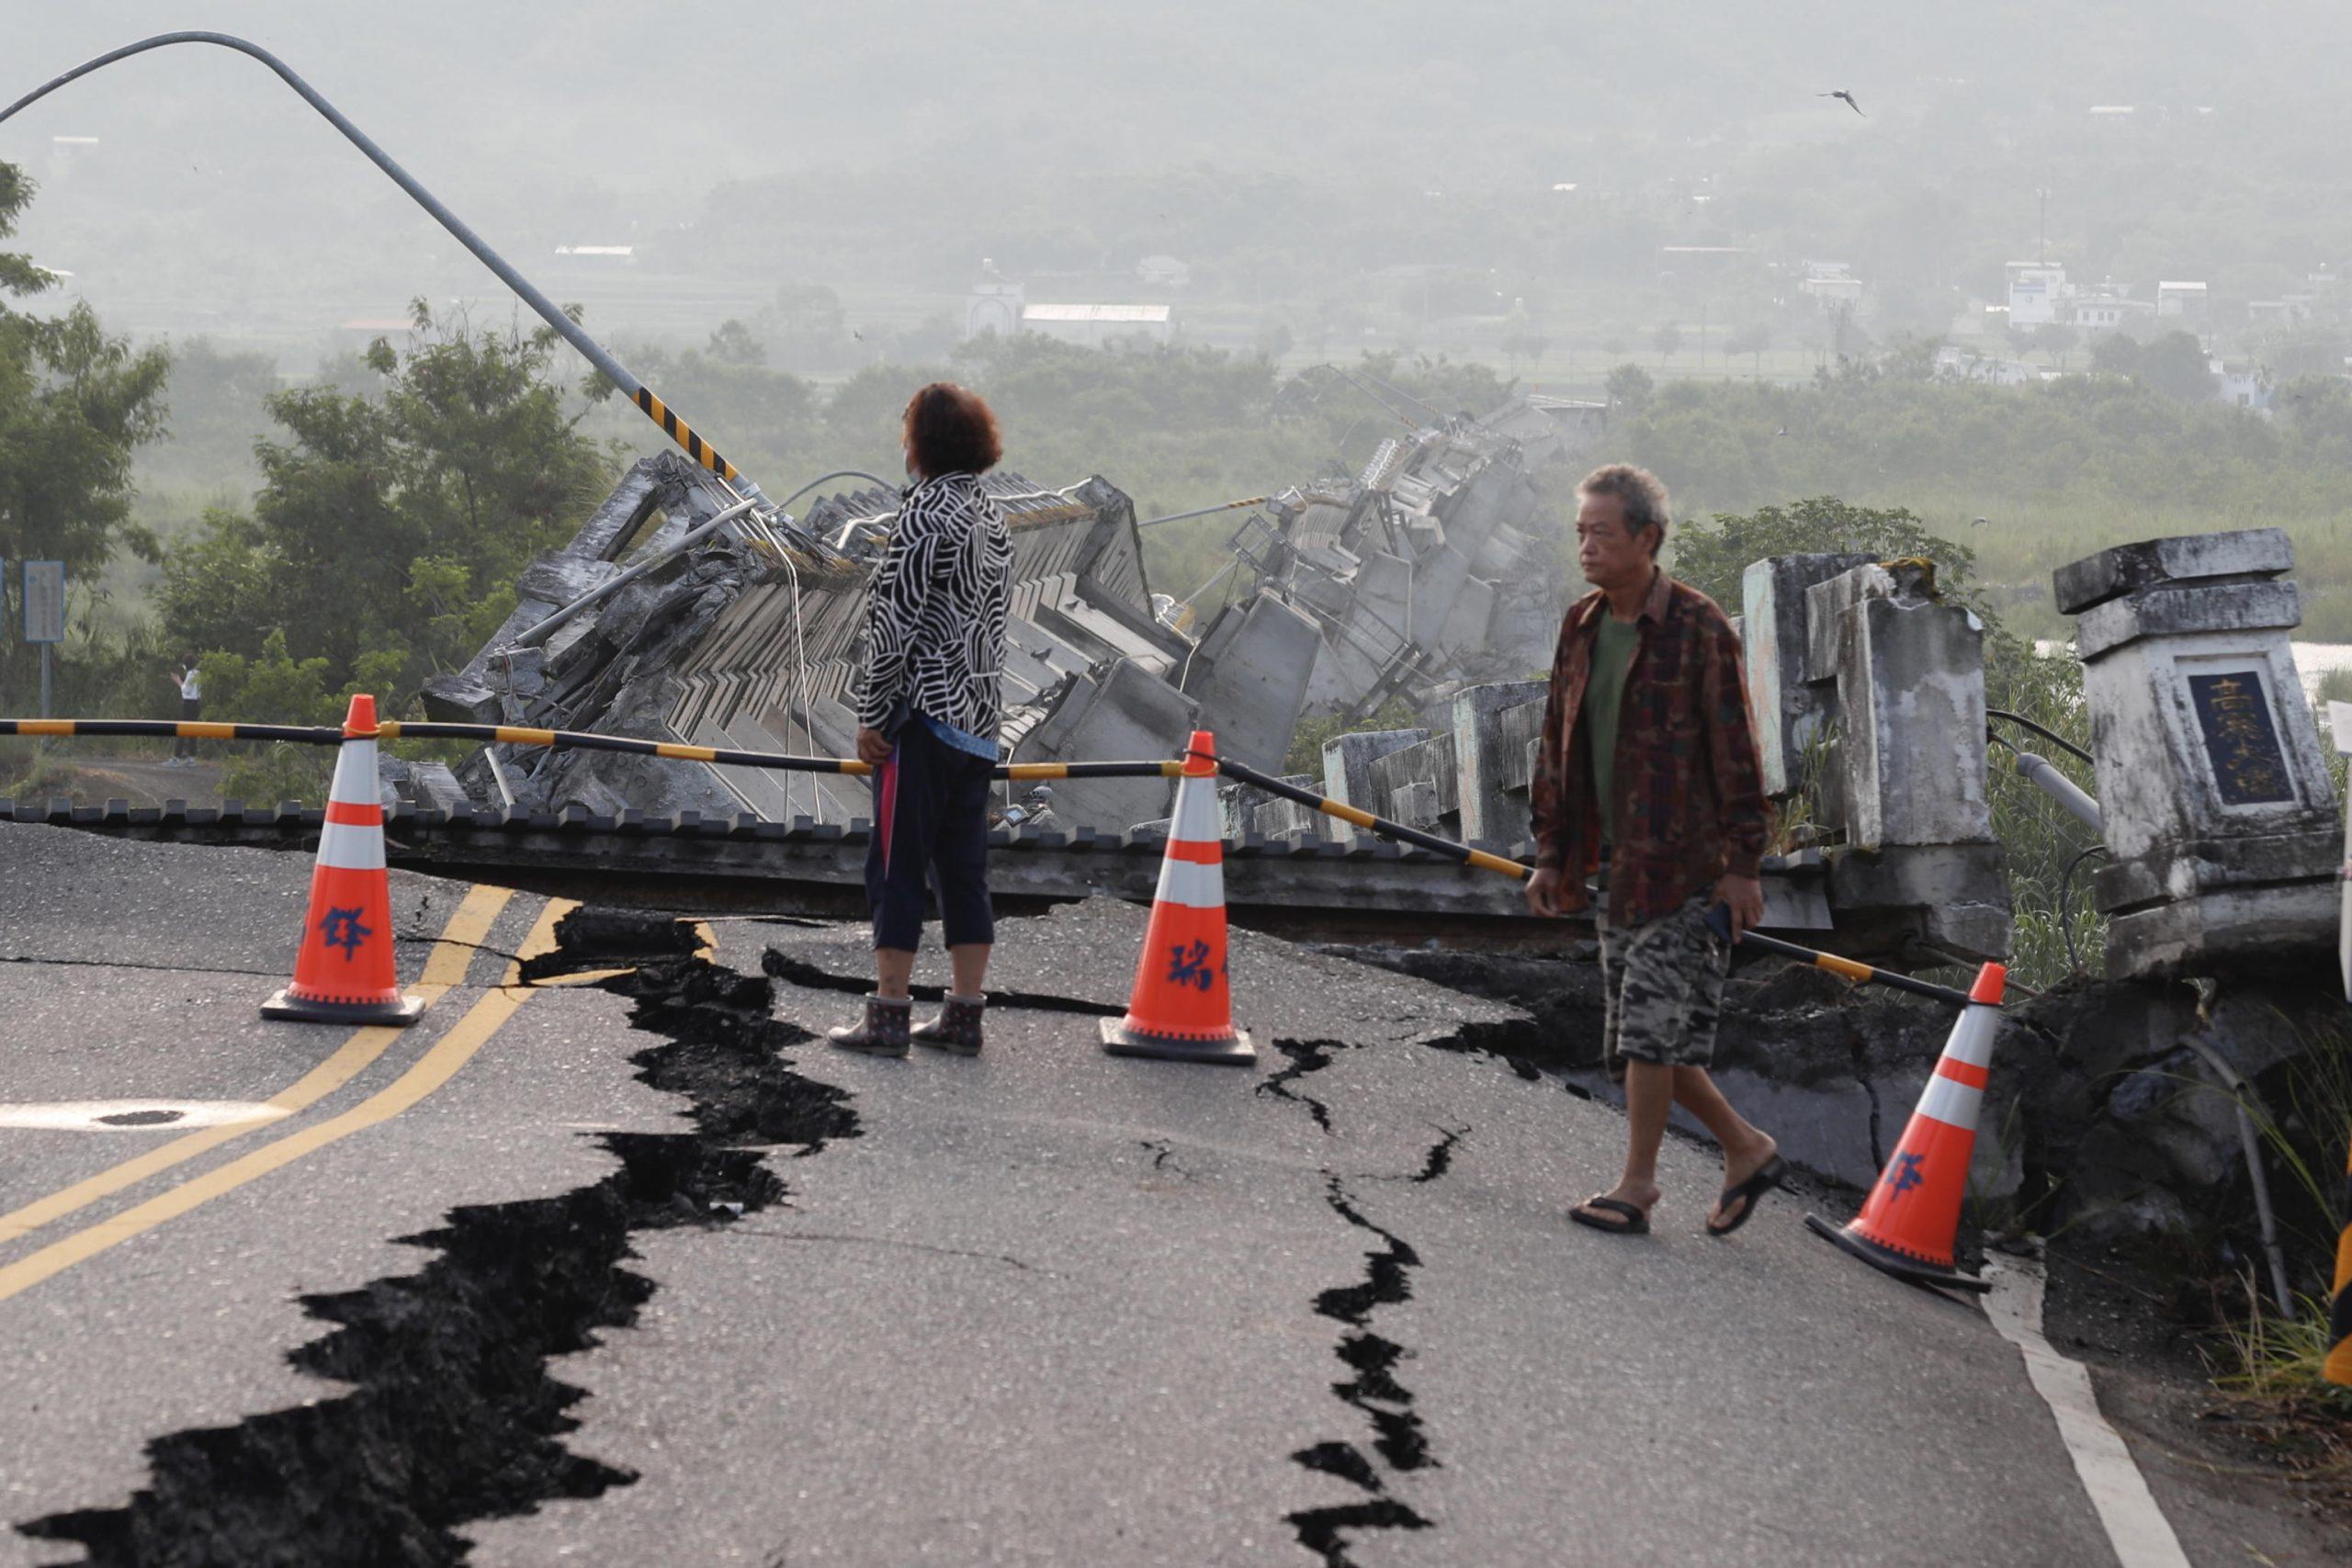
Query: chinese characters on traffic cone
[[1182, 1008], [1911, 1219], [344, 971]]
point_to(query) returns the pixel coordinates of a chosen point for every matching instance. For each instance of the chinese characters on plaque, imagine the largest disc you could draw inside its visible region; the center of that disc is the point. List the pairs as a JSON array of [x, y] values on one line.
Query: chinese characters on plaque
[[2241, 738]]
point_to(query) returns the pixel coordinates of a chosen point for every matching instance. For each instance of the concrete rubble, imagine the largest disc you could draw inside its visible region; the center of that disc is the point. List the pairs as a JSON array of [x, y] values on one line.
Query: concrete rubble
[[1435, 567]]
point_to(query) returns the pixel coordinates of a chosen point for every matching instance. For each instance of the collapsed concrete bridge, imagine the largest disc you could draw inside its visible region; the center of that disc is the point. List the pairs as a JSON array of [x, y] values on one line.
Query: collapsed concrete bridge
[[1431, 567], [1432, 577]]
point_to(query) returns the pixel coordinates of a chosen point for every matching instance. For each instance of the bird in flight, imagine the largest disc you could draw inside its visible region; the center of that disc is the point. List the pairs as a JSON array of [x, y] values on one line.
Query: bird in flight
[[1850, 104]]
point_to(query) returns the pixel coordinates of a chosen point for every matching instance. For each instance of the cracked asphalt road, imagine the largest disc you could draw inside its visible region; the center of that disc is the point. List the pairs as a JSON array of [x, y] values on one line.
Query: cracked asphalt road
[[1044, 1306]]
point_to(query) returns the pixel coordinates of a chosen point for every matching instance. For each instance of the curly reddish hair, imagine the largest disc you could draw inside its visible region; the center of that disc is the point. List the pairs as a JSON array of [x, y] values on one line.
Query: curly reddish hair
[[949, 429]]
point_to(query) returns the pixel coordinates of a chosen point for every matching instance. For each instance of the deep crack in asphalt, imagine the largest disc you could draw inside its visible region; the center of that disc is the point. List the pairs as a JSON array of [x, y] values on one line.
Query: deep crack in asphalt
[[1373, 1389], [453, 1416], [1440, 1158], [1306, 1056]]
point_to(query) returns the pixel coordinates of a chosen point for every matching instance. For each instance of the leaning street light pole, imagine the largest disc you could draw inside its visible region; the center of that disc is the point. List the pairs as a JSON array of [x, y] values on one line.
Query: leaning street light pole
[[570, 331]]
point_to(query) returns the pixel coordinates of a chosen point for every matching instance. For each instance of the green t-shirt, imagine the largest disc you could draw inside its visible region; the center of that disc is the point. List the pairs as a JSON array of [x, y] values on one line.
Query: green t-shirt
[[1604, 691]]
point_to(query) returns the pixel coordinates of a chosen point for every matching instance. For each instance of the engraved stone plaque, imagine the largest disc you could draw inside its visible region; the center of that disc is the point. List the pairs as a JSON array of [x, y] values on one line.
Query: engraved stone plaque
[[2241, 738]]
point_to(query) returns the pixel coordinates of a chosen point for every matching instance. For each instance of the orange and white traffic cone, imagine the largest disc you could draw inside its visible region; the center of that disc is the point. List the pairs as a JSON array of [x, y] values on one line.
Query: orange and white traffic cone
[[1910, 1220], [1181, 1008], [343, 972]]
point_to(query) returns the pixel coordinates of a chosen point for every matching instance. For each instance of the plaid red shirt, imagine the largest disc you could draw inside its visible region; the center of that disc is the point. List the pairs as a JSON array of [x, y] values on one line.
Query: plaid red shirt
[[1690, 797]]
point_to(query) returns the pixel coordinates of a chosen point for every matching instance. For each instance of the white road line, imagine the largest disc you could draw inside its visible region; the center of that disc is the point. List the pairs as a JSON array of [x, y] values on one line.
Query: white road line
[[2135, 1525], [135, 1115]]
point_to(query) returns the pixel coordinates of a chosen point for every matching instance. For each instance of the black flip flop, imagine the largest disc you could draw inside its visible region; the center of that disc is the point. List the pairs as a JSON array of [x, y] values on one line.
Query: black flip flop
[[1773, 1172], [1636, 1223]]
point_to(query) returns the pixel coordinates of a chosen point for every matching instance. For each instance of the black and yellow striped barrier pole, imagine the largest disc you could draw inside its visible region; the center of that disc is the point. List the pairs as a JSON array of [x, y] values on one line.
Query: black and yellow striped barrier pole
[[1845, 969], [552, 740], [677, 429], [1242, 773], [2338, 1367], [584, 740], [175, 728]]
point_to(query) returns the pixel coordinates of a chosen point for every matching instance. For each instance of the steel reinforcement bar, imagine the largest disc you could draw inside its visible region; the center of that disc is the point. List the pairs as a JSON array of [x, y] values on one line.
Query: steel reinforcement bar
[[583, 740]]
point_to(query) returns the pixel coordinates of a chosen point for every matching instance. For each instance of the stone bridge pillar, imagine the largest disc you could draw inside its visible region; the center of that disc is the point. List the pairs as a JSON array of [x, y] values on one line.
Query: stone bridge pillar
[[1492, 727], [2218, 806], [1908, 784]]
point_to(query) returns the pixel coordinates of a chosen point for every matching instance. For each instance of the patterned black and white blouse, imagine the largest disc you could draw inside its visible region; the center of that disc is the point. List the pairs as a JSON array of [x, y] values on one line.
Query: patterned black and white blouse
[[935, 610]]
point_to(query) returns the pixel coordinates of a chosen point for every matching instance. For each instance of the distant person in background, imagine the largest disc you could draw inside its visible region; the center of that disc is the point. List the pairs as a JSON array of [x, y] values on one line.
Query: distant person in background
[[927, 720], [191, 706], [1646, 780]]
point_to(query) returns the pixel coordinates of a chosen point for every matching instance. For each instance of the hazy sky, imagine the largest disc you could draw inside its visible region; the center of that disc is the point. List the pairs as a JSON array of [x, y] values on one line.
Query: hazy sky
[[596, 121]]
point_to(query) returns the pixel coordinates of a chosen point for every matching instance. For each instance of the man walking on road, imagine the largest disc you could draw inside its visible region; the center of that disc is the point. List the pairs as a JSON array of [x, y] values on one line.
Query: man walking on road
[[1647, 776]]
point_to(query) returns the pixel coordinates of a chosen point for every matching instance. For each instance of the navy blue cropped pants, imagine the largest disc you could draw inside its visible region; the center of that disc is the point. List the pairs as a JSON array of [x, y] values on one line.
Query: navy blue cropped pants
[[930, 826]]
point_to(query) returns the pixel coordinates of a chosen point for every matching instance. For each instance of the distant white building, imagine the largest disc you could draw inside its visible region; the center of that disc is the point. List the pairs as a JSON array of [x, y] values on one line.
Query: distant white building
[[1094, 324], [2284, 312], [1830, 284], [2186, 300], [2246, 386], [2104, 312], [993, 304], [1164, 272], [1966, 367], [2037, 292]]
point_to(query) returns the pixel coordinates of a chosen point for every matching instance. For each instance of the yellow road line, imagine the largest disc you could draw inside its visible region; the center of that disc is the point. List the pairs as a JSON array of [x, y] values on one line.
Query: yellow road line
[[435, 1067], [444, 969]]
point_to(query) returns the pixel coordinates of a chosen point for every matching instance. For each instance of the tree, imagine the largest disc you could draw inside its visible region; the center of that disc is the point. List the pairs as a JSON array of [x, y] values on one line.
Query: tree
[[2116, 354], [1752, 341], [733, 345], [388, 530], [75, 404], [2057, 340], [1628, 389], [1666, 340], [1273, 338], [1522, 338], [2305, 351], [811, 328], [2175, 365]]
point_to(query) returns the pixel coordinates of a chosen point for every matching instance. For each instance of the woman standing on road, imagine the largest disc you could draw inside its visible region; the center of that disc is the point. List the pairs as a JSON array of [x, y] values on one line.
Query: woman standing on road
[[927, 721]]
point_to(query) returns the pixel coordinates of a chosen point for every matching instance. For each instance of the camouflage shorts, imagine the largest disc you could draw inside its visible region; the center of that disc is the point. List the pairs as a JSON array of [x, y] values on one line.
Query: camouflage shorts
[[1663, 982]]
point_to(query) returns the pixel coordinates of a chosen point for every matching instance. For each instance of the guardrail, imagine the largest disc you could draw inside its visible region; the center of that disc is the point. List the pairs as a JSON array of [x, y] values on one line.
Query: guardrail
[[584, 740]]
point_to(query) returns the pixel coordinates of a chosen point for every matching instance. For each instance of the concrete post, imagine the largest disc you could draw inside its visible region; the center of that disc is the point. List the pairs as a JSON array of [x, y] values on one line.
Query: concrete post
[[1347, 770], [1492, 724], [1791, 711], [1912, 786], [2213, 785]]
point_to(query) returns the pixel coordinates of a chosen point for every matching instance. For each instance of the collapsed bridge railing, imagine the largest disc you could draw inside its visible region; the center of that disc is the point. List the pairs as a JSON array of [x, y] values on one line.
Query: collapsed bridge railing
[[1172, 768]]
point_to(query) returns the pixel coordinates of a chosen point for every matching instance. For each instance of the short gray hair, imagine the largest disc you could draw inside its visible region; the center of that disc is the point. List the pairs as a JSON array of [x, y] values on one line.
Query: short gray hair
[[1640, 493]]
